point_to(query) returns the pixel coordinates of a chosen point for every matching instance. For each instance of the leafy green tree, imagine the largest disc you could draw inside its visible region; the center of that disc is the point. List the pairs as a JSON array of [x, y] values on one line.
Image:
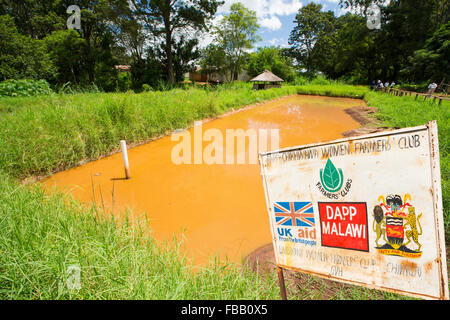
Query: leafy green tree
[[361, 4], [311, 24], [185, 54], [213, 59], [352, 53], [236, 34], [106, 74], [130, 35], [270, 58], [41, 19], [35, 18], [165, 18], [149, 70], [406, 26], [66, 50], [432, 63], [21, 56]]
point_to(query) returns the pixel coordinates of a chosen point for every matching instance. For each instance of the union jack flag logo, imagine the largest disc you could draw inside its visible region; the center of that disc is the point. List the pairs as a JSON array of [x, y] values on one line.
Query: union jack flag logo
[[295, 214]]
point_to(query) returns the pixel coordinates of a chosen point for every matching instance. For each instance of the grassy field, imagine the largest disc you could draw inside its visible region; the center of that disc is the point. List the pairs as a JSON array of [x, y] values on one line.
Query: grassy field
[[41, 235]]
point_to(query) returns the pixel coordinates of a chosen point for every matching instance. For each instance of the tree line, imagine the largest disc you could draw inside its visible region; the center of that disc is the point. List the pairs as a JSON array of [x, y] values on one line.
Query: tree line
[[412, 43], [159, 39]]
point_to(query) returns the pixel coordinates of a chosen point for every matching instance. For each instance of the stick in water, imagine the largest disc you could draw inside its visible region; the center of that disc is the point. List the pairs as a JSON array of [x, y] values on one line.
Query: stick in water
[[123, 145]]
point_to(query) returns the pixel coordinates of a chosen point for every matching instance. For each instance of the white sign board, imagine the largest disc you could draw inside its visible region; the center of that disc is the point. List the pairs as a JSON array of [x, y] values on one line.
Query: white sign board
[[365, 210]]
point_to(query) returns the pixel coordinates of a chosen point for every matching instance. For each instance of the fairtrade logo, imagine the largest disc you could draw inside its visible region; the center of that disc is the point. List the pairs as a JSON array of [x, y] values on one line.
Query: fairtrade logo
[[332, 179]]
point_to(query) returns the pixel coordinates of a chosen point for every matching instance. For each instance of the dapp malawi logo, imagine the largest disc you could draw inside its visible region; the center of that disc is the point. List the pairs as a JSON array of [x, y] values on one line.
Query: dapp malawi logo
[[344, 225], [295, 222], [331, 183]]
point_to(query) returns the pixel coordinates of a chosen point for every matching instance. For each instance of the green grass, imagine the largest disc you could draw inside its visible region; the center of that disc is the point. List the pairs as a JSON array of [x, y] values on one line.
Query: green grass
[[41, 234], [74, 128]]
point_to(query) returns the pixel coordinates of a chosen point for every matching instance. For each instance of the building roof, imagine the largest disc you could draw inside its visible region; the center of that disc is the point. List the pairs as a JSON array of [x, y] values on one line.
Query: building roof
[[267, 76], [122, 67]]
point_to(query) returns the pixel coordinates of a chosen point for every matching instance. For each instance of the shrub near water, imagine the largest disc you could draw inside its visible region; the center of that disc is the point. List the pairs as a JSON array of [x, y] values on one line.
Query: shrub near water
[[24, 88]]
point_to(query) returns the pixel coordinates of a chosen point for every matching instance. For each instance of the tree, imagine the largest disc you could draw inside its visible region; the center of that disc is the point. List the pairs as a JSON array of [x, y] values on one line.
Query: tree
[[105, 72], [21, 56], [164, 18], [35, 18], [185, 53], [41, 19], [270, 58], [66, 48], [353, 54], [130, 35], [214, 60], [432, 63], [236, 34], [311, 24]]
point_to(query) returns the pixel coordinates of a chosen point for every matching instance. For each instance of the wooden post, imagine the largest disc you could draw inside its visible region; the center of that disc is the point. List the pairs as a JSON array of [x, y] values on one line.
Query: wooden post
[[123, 146], [281, 281]]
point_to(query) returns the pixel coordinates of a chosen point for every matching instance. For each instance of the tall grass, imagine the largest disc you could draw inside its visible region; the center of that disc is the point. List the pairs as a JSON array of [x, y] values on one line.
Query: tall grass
[[56, 132], [42, 235]]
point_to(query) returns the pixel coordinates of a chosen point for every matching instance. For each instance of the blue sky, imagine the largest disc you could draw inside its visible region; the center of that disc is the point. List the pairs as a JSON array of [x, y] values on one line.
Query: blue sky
[[276, 17]]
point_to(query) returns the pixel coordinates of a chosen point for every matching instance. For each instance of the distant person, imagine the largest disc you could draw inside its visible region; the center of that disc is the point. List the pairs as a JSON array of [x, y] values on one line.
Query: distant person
[[380, 85], [373, 85], [432, 88], [392, 84], [386, 85]]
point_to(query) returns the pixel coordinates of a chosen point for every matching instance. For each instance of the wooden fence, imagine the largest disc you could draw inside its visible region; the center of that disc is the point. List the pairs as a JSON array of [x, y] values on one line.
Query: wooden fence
[[400, 93]]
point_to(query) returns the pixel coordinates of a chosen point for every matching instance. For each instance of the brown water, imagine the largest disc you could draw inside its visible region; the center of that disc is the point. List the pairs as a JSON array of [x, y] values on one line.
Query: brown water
[[220, 209]]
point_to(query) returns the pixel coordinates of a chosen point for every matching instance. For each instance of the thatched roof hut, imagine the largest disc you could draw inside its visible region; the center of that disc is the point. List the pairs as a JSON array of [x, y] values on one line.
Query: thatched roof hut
[[266, 80]]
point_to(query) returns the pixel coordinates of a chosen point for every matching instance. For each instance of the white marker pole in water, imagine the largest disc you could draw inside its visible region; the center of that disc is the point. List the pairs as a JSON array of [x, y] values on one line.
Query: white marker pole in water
[[123, 146]]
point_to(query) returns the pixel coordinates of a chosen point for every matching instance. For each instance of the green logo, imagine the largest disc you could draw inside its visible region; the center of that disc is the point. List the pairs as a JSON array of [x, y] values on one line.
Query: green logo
[[332, 179]]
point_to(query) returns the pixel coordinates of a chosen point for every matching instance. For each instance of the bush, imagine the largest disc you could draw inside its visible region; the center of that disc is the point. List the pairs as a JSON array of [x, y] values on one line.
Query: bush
[[124, 81], [24, 88], [146, 87]]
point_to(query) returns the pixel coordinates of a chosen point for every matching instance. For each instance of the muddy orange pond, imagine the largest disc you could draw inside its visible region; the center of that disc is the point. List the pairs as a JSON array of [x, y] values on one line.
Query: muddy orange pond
[[219, 208]]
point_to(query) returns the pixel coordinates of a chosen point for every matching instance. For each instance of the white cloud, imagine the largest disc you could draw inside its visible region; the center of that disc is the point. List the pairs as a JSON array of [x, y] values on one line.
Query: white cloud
[[279, 42], [271, 22], [267, 11], [284, 8]]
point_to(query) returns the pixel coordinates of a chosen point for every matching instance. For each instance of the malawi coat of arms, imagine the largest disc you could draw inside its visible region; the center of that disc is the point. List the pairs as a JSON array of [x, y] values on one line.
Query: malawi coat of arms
[[394, 220]]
